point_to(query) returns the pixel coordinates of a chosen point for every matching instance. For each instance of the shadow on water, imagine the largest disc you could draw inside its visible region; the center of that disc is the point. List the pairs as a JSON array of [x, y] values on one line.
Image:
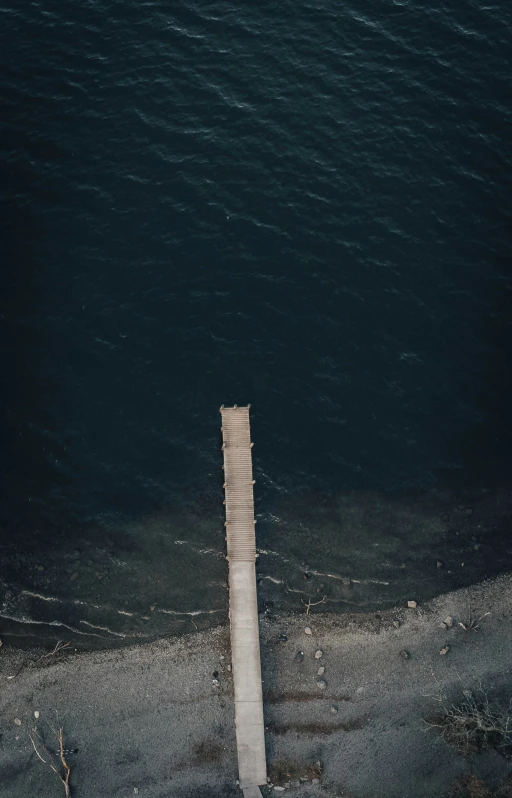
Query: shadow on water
[[100, 584], [31, 460], [484, 448], [487, 446]]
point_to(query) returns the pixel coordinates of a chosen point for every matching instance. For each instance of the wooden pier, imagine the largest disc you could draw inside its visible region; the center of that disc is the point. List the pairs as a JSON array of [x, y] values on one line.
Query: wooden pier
[[243, 605]]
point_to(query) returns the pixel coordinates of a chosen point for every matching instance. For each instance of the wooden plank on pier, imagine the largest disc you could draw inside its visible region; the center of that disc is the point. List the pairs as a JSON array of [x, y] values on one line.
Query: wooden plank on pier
[[243, 605]]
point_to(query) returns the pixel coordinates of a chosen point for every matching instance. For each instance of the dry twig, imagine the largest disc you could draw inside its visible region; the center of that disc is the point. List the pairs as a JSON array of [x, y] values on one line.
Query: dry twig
[[60, 645], [312, 603], [62, 770], [472, 724], [472, 623]]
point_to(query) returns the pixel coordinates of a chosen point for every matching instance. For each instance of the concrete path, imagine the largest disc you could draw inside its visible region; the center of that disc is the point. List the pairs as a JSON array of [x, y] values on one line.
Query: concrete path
[[243, 605]]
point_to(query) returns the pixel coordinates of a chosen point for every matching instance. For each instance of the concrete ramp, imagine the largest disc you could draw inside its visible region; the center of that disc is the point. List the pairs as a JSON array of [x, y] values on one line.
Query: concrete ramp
[[243, 605]]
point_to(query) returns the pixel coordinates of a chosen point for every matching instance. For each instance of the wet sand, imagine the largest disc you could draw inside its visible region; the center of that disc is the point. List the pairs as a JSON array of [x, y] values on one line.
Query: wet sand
[[148, 720]]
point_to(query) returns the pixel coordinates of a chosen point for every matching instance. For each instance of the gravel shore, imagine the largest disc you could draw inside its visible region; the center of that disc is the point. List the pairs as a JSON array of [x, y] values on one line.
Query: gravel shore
[[345, 705]]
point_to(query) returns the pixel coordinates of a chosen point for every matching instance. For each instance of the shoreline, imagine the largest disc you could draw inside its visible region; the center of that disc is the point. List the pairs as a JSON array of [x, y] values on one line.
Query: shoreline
[[166, 574], [149, 717]]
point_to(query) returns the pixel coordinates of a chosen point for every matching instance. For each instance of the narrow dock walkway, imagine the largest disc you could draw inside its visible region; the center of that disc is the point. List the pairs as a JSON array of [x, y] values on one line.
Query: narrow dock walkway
[[243, 606]]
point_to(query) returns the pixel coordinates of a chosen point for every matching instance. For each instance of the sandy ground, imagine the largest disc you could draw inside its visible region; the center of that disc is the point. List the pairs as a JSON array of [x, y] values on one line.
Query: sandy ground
[[149, 721]]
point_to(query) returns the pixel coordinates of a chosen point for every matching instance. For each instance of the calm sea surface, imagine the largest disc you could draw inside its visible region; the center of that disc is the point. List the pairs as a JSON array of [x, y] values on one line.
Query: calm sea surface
[[302, 205]]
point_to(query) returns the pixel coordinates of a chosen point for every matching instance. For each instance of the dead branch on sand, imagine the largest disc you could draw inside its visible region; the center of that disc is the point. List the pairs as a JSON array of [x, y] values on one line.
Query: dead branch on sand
[[470, 786], [475, 724], [62, 770], [60, 645], [312, 603], [29, 661], [472, 623]]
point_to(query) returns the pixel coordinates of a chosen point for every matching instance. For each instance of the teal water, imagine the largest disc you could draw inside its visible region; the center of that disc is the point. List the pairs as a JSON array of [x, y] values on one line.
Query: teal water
[[302, 206]]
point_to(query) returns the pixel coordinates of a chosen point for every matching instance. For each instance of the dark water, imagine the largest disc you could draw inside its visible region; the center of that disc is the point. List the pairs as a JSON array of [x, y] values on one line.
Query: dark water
[[305, 206]]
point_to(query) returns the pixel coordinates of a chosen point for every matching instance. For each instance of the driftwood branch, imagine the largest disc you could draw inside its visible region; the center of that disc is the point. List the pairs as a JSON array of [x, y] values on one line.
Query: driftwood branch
[[61, 768], [312, 603], [60, 645]]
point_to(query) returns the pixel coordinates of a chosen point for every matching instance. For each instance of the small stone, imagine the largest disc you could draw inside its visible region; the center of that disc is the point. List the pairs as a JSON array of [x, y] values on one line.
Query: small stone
[[439, 564], [315, 781], [40, 567], [283, 638], [318, 653], [405, 654], [321, 684], [477, 546], [152, 608], [308, 631], [299, 656], [229, 667], [448, 621], [36, 714], [17, 721], [1, 643], [396, 624], [412, 605], [444, 650], [334, 710], [74, 576], [215, 682], [135, 790], [320, 671], [403, 565]]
